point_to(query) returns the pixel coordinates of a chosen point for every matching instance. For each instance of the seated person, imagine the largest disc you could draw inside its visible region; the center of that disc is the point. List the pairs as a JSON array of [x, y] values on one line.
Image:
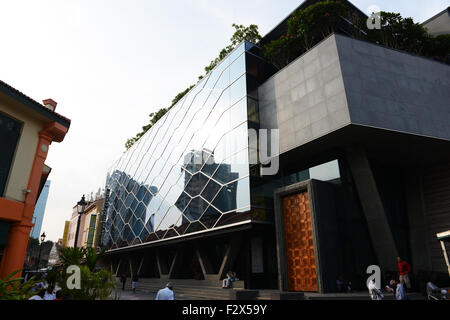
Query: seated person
[[228, 281], [343, 285]]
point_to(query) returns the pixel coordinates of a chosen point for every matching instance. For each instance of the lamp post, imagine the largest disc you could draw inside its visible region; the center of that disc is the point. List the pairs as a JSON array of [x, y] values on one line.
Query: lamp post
[[80, 209], [40, 248]]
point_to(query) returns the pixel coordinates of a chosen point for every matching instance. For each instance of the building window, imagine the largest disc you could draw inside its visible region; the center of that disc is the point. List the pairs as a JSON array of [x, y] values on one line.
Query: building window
[[91, 231], [10, 130]]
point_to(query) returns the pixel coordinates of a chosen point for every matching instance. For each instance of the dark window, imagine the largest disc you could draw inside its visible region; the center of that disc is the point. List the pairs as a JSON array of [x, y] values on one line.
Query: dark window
[[9, 132]]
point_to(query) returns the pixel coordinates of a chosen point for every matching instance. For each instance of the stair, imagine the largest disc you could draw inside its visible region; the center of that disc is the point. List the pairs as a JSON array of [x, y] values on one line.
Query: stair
[[187, 289]]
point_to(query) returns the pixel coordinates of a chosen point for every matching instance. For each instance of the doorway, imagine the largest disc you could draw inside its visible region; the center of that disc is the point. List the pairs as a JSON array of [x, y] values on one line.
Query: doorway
[[299, 243]]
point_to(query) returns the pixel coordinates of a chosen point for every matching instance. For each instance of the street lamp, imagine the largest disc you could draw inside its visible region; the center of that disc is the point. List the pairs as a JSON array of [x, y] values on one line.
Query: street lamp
[[40, 248], [80, 209]]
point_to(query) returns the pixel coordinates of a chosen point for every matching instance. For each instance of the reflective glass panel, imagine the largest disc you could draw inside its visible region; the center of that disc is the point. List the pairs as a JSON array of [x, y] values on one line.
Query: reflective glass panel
[[190, 168]]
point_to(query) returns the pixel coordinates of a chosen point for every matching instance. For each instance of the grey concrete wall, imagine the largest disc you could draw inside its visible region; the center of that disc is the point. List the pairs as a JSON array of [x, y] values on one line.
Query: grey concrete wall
[[306, 99], [345, 81], [394, 90], [439, 24]]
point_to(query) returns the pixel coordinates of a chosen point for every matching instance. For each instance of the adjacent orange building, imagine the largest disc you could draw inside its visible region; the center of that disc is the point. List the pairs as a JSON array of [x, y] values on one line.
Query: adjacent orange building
[[27, 128]]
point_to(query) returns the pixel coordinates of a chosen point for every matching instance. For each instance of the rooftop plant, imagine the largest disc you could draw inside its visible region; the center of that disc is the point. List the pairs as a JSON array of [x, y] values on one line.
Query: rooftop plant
[[306, 27]]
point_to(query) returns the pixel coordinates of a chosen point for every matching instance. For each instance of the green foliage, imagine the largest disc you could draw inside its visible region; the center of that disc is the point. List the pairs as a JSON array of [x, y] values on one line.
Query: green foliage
[[315, 22], [438, 48], [154, 117], [305, 27], [281, 51], [308, 26], [399, 33], [241, 33], [12, 288], [180, 96], [404, 34], [71, 256], [96, 283]]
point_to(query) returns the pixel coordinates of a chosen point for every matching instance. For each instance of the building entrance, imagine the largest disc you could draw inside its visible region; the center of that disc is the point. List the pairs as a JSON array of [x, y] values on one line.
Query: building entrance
[[300, 257]]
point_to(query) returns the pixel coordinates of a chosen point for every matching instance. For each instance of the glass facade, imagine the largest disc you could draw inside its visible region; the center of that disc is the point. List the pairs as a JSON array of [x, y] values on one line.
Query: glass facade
[[190, 171]]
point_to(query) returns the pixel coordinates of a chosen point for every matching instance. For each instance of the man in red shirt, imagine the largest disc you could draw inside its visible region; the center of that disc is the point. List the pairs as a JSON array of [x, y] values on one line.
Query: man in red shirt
[[403, 270]]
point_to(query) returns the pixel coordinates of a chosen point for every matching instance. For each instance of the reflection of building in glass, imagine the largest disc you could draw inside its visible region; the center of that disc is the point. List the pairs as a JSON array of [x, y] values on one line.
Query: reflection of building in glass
[[202, 186], [39, 210], [127, 218], [307, 225], [163, 188]]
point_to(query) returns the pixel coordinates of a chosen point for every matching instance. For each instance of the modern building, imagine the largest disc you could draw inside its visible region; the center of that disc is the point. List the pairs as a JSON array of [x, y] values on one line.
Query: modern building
[[39, 211], [363, 171], [438, 24], [27, 128]]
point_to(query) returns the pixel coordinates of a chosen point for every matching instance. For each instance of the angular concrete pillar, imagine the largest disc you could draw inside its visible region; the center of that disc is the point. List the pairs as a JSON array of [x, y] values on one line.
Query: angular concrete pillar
[[205, 264], [176, 262], [379, 229], [162, 267], [230, 255]]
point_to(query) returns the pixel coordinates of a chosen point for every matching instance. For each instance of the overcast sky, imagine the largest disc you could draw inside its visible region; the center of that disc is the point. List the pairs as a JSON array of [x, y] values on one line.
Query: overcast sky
[[109, 63]]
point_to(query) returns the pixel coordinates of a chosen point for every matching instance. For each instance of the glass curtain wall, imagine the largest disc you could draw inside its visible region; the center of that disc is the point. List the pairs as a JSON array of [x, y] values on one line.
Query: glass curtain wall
[[190, 171]]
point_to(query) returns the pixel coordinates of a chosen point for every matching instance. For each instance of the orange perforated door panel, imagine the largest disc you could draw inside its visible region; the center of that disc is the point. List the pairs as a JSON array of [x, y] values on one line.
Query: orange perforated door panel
[[300, 257]]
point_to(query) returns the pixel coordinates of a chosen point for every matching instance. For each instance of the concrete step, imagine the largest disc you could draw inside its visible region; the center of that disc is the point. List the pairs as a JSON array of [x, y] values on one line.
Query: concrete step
[[182, 282], [357, 296], [187, 289], [193, 290]]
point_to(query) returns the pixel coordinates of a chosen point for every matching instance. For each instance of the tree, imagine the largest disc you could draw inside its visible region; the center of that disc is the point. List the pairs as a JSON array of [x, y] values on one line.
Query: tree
[[305, 27], [399, 33], [438, 48], [14, 289], [96, 283], [241, 33], [308, 26]]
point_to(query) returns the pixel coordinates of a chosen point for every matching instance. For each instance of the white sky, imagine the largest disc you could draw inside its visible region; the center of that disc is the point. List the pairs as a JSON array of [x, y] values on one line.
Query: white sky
[[109, 63]]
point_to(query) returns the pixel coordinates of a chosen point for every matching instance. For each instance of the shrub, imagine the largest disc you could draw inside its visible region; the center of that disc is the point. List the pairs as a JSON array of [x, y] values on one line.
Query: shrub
[[96, 283], [305, 27], [14, 289]]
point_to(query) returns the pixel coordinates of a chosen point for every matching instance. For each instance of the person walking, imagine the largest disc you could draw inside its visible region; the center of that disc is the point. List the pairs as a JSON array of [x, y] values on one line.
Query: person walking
[[166, 293], [134, 283], [403, 272]]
